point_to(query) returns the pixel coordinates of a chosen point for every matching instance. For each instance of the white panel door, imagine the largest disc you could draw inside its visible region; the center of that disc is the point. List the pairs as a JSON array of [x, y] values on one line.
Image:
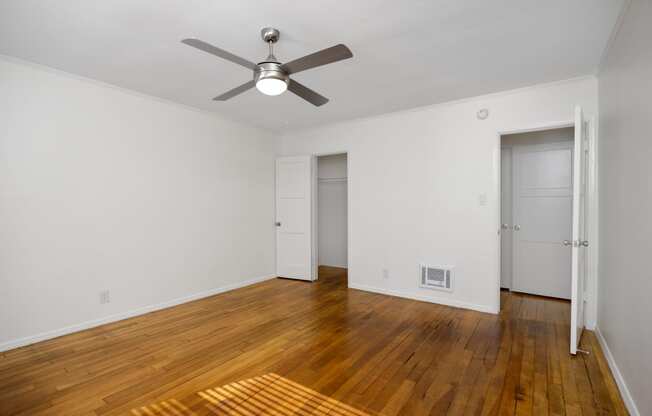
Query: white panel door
[[294, 183], [506, 218], [579, 242], [543, 197]]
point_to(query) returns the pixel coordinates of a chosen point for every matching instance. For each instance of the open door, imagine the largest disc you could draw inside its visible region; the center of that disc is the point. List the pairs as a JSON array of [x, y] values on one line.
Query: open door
[[294, 212], [579, 242]]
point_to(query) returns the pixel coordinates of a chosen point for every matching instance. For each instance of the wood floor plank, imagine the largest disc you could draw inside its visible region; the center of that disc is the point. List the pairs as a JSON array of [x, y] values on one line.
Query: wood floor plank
[[285, 347], [599, 367]]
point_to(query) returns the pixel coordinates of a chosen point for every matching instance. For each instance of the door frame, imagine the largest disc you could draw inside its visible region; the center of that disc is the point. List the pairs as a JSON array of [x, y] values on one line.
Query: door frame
[[511, 199], [591, 290], [315, 218]]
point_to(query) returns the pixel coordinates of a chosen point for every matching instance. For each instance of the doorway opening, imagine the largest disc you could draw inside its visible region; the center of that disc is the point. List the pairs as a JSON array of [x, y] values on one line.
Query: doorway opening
[[332, 218], [536, 212], [546, 175]]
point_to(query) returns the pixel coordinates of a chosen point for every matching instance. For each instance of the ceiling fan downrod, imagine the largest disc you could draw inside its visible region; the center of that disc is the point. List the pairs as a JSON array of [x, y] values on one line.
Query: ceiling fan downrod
[[270, 36]]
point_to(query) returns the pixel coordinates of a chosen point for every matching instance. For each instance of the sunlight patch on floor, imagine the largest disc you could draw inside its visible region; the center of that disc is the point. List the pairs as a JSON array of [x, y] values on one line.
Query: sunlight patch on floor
[[272, 394], [269, 394], [165, 408]]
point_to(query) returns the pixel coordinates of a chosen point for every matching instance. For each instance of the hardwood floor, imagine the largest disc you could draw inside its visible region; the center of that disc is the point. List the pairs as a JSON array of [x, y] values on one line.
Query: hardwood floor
[[285, 347]]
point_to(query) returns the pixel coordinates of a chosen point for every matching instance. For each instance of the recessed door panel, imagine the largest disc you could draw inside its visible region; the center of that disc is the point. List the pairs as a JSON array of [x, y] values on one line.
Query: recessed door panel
[[546, 169], [545, 219], [546, 262]]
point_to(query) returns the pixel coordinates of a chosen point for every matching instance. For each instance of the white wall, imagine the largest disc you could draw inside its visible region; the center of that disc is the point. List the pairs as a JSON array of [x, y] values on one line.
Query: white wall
[[101, 188], [415, 181], [625, 85], [331, 212]]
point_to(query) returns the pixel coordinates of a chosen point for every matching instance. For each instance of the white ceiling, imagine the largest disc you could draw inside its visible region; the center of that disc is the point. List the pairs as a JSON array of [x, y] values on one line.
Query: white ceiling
[[406, 53]]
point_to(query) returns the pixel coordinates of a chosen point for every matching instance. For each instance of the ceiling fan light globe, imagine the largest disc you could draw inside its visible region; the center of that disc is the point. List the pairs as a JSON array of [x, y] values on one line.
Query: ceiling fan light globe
[[270, 78], [271, 86]]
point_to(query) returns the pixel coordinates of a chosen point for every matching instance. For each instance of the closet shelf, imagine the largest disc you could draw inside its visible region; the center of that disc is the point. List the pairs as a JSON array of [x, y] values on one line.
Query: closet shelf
[[332, 179]]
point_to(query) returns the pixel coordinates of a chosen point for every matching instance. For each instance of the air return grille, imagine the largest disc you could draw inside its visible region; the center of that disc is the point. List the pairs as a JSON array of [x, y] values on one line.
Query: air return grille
[[437, 277]]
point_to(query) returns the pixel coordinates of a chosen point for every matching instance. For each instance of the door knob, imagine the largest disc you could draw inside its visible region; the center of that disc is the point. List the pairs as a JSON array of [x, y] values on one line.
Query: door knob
[[584, 243], [278, 224], [567, 243], [517, 227], [504, 226]]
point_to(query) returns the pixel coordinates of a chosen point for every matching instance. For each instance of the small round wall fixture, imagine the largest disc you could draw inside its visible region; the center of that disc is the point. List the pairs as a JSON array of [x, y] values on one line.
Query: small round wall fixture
[[483, 114]]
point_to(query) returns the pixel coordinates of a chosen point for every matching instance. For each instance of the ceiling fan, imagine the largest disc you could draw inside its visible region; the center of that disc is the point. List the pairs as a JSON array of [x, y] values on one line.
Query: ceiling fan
[[272, 77]]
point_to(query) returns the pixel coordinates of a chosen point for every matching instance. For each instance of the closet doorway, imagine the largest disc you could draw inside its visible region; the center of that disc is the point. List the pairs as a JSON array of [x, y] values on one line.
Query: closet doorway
[[332, 210]]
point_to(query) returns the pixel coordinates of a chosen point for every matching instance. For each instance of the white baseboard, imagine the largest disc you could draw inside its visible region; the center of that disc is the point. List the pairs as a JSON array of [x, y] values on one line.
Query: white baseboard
[[20, 342], [425, 298], [620, 381]]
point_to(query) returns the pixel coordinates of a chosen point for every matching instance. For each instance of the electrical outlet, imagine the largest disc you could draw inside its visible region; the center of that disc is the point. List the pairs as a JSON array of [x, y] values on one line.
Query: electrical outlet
[[105, 297], [482, 199], [385, 274]]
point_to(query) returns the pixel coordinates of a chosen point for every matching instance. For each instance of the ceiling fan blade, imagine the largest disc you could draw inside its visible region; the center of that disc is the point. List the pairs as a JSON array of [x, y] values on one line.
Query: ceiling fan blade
[[237, 90], [307, 94], [323, 57], [214, 50]]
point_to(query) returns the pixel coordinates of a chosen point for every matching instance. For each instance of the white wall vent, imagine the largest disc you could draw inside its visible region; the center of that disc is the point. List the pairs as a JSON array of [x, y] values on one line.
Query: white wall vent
[[437, 277]]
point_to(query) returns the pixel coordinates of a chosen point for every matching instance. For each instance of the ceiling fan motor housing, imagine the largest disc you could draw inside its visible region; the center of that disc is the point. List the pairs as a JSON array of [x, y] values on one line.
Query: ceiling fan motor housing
[[270, 71], [269, 77]]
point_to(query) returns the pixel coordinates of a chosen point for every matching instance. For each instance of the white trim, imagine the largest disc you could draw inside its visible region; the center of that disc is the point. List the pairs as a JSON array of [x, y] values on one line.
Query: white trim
[[427, 107], [592, 226], [280, 131], [510, 157], [333, 153], [620, 381], [133, 93], [314, 223], [348, 220], [539, 127], [613, 35], [20, 342], [432, 299]]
